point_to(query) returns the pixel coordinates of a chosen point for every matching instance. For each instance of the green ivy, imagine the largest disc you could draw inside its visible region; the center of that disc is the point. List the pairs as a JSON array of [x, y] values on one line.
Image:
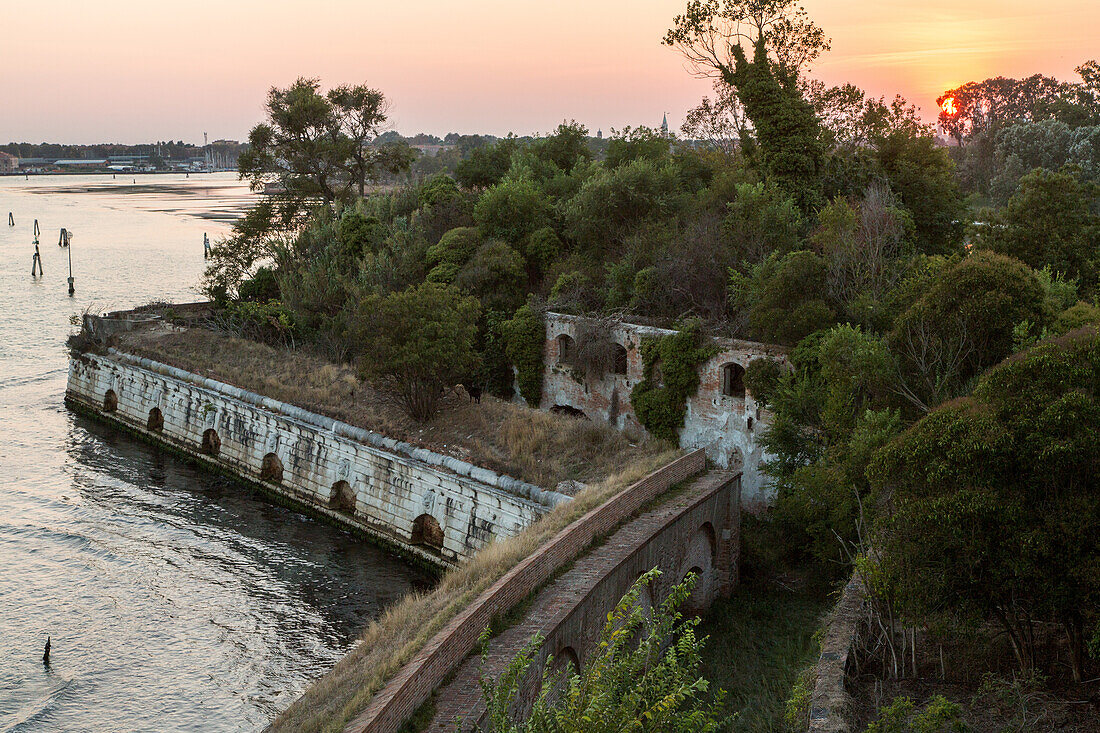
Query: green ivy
[[524, 337], [662, 405]]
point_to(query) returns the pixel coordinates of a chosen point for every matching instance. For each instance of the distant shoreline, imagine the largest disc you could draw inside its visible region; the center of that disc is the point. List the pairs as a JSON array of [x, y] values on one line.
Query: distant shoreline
[[101, 172]]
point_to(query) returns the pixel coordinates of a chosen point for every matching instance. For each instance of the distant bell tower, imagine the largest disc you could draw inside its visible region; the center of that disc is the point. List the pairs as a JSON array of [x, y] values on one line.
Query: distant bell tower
[[664, 125], [599, 134]]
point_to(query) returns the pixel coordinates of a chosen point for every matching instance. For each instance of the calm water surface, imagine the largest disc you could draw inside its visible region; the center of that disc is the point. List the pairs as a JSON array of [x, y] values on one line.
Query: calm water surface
[[175, 601]]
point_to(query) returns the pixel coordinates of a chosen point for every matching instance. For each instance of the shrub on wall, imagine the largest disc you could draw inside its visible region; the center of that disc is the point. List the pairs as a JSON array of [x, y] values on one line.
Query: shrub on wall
[[762, 379], [670, 377], [524, 338]]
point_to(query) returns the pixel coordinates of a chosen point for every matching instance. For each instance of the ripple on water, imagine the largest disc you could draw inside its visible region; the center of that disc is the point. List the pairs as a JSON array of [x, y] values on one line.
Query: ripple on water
[[176, 601]]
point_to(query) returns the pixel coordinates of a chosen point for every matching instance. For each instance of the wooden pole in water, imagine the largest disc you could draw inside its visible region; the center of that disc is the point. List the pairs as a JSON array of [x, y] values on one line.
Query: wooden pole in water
[[46, 654], [11, 219], [72, 288], [37, 230], [36, 262]]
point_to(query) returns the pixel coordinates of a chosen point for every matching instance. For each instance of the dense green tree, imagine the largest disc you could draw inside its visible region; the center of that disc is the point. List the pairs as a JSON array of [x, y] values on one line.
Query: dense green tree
[[922, 176], [566, 147], [784, 124], [963, 323], [612, 202], [495, 275], [992, 508], [417, 343], [1050, 222], [788, 298], [761, 220], [511, 210], [487, 164], [632, 143], [453, 250]]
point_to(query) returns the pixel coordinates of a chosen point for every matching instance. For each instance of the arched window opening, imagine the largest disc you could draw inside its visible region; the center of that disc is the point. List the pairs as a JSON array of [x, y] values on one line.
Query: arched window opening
[[156, 420], [211, 443], [110, 401], [271, 469], [733, 380], [618, 359], [567, 351], [342, 498], [427, 532]]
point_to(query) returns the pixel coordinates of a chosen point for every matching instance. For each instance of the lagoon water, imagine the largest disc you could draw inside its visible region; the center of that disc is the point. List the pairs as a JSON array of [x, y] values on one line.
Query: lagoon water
[[175, 600]]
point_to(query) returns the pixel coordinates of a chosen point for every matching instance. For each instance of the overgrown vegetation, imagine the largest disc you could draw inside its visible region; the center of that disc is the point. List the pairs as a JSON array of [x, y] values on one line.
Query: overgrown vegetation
[[816, 217], [643, 676], [670, 377], [403, 629]]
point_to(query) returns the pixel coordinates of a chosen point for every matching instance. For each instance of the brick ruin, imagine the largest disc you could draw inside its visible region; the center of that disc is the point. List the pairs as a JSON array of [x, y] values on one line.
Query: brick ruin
[[722, 417]]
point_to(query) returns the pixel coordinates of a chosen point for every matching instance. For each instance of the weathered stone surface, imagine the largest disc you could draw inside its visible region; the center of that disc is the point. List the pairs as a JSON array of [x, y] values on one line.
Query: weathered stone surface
[[354, 476], [727, 426]]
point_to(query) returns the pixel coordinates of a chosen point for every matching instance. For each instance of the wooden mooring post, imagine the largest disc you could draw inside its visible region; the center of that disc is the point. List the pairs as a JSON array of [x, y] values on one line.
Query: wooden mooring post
[[36, 262]]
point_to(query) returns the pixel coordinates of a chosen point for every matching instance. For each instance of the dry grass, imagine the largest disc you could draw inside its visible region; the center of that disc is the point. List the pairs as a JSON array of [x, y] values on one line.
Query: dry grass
[[535, 446], [392, 640]]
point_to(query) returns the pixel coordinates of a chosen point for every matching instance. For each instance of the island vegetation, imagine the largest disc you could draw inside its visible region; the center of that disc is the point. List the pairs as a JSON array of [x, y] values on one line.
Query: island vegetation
[[935, 430]]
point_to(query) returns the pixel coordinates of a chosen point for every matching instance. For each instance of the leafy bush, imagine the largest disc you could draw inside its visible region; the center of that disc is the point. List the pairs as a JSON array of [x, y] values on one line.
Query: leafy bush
[[993, 507], [762, 377], [789, 298], [262, 286], [670, 377], [416, 343], [643, 676], [525, 338], [940, 715]]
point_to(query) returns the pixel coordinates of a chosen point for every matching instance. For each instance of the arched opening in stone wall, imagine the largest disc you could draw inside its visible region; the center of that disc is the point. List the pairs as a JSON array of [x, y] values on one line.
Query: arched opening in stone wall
[[342, 498], [700, 560], [567, 350], [110, 401], [427, 532], [211, 443], [733, 380], [618, 359], [568, 411], [271, 468], [155, 421], [694, 604], [564, 659]]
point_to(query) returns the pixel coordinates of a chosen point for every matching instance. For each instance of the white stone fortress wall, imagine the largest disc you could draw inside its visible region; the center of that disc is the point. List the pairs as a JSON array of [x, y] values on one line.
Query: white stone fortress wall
[[432, 506], [722, 417]]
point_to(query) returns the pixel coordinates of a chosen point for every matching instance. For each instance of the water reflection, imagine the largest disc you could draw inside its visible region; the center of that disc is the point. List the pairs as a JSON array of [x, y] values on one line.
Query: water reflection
[[176, 601]]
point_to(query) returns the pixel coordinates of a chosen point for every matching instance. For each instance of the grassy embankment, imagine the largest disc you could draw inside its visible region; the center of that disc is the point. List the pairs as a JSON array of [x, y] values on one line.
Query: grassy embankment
[[531, 445], [404, 628]]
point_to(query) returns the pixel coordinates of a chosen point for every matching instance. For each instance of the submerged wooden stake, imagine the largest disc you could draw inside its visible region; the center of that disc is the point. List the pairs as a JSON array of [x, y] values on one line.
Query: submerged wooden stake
[[36, 262]]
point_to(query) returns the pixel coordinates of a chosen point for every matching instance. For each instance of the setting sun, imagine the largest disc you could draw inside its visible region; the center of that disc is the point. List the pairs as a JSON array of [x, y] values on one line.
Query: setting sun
[[948, 106]]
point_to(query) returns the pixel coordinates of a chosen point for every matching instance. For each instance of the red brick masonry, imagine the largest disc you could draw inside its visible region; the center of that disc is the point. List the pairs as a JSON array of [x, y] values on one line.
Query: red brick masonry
[[412, 685], [696, 530]]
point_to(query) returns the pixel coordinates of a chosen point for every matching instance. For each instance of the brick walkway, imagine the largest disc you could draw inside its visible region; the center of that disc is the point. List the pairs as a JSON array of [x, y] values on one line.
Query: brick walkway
[[461, 697]]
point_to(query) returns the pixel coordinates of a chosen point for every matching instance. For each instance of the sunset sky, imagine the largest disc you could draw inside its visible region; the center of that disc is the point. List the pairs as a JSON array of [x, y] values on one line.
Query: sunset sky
[[127, 71]]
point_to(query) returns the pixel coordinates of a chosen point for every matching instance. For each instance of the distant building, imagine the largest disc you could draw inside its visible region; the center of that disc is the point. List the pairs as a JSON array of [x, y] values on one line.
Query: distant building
[[430, 149], [8, 163], [664, 124], [94, 164]]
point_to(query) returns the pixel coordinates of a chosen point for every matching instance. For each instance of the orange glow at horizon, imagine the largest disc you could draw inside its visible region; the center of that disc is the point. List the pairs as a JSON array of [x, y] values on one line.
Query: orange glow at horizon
[[132, 71]]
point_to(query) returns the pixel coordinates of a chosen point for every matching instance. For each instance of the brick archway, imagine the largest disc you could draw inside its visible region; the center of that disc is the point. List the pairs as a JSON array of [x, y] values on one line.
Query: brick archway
[[271, 469]]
